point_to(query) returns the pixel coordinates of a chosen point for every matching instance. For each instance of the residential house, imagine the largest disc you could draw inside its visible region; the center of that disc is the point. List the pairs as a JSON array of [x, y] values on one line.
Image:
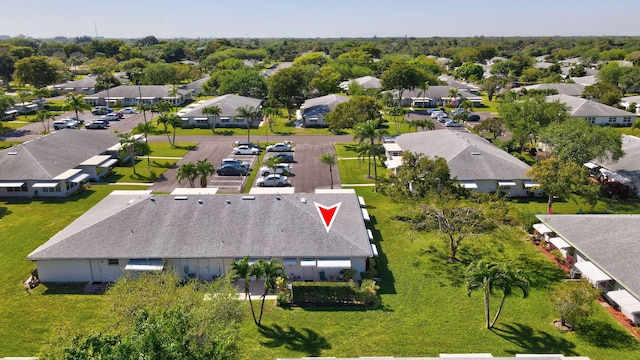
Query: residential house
[[628, 100], [196, 86], [628, 166], [314, 110], [475, 162], [367, 82], [596, 113], [193, 116], [202, 235], [83, 86], [602, 248], [434, 97], [55, 165], [563, 88], [133, 95]]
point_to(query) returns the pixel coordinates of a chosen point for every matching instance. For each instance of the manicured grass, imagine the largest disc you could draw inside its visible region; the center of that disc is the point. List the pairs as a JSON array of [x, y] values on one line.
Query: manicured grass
[[144, 172], [7, 144], [29, 322], [165, 149], [426, 311], [354, 171]]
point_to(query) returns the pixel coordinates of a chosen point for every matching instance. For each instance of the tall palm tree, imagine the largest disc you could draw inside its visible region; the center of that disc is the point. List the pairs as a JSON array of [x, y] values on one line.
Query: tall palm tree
[[269, 271], [424, 124], [489, 276], [172, 120], [331, 160], [249, 114], [205, 169], [271, 163], [40, 94], [43, 115], [24, 97], [369, 130], [215, 111], [425, 87], [187, 171], [173, 92], [76, 103], [145, 128], [453, 94], [242, 269], [132, 147], [271, 114]]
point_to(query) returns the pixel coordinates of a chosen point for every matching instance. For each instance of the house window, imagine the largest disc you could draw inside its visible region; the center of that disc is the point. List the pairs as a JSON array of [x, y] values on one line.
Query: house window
[[591, 119], [113, 262], [626, 119], [224, 119], [201, 122], [239, 120], [52, 189], [612, 119]]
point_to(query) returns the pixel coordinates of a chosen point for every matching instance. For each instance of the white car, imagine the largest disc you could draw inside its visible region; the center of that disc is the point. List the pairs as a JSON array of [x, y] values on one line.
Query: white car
[[111, 117], [129, 111], [245, 150], [453, 123], [273, 180], [65, 124], [279, 147], [284, 169], [438, 113], [234, 161]]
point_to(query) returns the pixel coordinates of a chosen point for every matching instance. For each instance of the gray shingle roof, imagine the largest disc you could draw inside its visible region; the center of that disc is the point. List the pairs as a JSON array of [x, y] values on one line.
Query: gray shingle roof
[[436, 92], [609, 241], [228, 105], [88, 82], [48, 156], [133, 226], [579, 107], [369, 82], [470, 157], [327, 102], [629, 164], [565, 89]]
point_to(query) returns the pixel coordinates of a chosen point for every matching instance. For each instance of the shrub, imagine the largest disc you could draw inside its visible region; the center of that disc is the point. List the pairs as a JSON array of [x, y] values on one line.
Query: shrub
[[284, 299], [368, 292], [557, 255]]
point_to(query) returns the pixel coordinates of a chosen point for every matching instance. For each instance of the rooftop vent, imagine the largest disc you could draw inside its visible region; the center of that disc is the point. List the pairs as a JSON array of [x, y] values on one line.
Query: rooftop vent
[[303, 200], [181, 198], [248, 197], [476, 153], [228, 201], [12, 153], [200, 201], [131, 201], [153, 200]]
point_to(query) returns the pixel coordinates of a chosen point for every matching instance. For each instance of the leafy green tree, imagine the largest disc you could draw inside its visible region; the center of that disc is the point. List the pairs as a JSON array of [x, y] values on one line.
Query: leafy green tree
[[611, 74], [249, 114], [526, 118], [402, 76], [489, 276], [574, 300], [7, 68], [493, 126], [357, 110], [630, 80], [326, 81], [187, 171], [205, 169], [316, 58], [577, 71], [491, 85], [6, 102], [457, 220], [580, 142], [159, 74], [215, 111], [75, 103], [287, 87], [244, 82], [370, 131], [469, 71], [603, 92], [24, 97], [558, 178], [330, 160], [35, 70], [419, 176]]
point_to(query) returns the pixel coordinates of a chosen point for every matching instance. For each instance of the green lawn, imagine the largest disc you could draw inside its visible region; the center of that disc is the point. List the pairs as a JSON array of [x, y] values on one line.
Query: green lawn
[[354, 171], [165, 149], [145, 172], [426, 311], [28, 322]]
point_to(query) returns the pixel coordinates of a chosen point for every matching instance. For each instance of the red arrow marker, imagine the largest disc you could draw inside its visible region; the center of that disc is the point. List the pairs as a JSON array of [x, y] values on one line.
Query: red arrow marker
[[328, 214]]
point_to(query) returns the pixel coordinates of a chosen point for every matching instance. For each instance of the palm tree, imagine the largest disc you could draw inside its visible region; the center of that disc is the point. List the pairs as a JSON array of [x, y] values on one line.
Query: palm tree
[[145, 128], [242, 269], [75, 103], [24, 97], [368, 130], [488, 276], [425, 87], [271, 163], [249, 114], [40, 94], [364, 151], [204, 168], [271, 115], [173, 92], [132, 147], [43, 115], [396, 112], [424, 124], [174, 121], [453, 94], [331, 160], [215, 111], [187, 171], [270, 271]]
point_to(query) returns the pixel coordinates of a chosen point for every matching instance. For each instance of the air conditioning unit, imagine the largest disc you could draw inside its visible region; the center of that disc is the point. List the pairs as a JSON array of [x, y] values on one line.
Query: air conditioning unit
[[575, 273]]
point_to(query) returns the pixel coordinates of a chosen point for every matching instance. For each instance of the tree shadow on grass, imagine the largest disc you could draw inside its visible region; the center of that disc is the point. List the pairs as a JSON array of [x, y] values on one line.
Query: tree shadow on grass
[[445, 272], [541, 272], [605, 335], [530, 341], [306, 340]]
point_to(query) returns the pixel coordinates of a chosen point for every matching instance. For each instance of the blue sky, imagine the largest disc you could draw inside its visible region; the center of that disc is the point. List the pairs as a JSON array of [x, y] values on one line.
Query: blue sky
[[319, 18]]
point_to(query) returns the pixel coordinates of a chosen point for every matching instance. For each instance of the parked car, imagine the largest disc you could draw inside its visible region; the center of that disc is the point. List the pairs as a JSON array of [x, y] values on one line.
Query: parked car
[[279, 147], [249, 144], [444, 120], [273, 180], [96, 124], [79, 121], [284, 169], [453, 123], [111, 117], [231, 170], [101, 110], [129, 111], [437, 113], [245, 150], [65, 124], [284, 157], [473, 117], [234, 161]]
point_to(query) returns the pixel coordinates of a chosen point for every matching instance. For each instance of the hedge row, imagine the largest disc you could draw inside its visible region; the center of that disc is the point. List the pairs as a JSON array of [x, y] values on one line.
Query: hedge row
[[324, 293]]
